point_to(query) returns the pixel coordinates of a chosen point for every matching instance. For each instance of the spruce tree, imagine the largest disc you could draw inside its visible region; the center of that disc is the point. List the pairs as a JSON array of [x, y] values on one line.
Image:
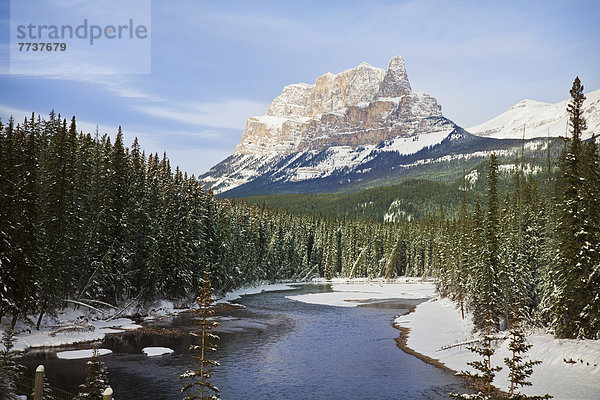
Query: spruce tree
[[486, 252], [392, 260], [464, 262], [330, 256], [590, 249], [492, 263], [200, 386], [520, 369], [481, 380], [573, 274], [10, 371], [96, 381]]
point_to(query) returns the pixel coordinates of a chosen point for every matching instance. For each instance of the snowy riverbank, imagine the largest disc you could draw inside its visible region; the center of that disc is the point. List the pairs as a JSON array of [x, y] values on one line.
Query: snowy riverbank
[[82, 325], [69, 327], [351, 293], [570, 368]]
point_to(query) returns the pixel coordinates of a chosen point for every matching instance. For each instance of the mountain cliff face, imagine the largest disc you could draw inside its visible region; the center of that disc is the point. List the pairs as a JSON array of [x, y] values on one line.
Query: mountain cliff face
[[342, 121], [361, 106]]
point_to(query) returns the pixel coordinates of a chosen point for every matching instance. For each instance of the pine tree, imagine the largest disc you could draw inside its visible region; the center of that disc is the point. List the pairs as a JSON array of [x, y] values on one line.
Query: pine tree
[[58, 217], [590, 249], [482, 380], [330, 256], [486, 261], [200, 384], [392, 260], [492, 263], [573, 275], [520, 369], [120, 261], [10, 371], [464, 262], [96, 381]]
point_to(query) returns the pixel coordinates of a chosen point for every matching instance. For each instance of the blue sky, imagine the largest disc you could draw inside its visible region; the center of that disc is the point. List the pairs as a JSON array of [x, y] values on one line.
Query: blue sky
[[214, 64]]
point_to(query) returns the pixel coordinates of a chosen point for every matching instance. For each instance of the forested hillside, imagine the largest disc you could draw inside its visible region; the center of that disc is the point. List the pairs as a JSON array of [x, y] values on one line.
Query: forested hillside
[[83, 217], [528, 257], [410, 200], [414, 199]]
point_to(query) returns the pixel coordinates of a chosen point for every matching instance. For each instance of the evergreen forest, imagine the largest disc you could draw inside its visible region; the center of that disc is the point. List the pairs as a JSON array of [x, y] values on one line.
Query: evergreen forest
[[84, 216]]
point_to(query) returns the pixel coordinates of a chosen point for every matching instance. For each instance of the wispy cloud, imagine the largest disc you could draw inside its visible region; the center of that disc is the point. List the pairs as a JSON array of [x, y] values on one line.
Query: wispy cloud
[[119, 85], [227, 114]]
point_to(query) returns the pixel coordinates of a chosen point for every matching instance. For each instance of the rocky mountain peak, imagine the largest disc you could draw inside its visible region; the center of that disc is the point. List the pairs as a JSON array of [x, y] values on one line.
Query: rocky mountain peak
[[395, 83], [360, 106], [328, 94]]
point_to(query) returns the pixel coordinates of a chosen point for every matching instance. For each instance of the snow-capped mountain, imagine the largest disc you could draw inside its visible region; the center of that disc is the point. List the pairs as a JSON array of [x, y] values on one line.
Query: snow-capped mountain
[[365, 127], [536, 119], [336, 126]]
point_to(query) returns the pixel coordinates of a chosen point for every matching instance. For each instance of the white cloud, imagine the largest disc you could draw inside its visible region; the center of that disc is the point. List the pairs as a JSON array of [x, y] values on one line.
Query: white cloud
[[230, 114], [226, 114]]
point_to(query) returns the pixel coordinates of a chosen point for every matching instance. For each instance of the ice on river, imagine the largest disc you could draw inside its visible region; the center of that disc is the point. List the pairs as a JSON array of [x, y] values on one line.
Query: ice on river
[[156, 351], [78, 354]]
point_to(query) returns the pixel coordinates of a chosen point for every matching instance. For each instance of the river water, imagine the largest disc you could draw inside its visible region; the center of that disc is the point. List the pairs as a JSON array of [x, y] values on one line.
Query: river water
[[274, 348]]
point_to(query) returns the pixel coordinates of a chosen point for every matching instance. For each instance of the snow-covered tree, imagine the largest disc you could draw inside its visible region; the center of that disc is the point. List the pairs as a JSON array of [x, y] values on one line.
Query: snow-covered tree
[[483, 378], [485, 251], [96, 380], [571, 299], [519, 368], [9, 369]]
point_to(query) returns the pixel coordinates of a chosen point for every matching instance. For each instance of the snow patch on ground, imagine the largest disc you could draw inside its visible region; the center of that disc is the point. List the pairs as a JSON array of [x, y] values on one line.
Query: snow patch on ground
[[236, 294], [570, 369], [78, 354], [163, 308], [156, 351], [351, 293]]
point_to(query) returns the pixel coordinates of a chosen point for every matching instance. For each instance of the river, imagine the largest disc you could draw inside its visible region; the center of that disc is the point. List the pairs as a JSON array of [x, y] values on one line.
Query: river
[[274, 348]]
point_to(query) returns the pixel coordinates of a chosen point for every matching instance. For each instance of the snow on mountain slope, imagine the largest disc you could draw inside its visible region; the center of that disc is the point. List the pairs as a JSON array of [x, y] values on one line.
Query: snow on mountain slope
[[345, 157], [239, 169], [539, 120]]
